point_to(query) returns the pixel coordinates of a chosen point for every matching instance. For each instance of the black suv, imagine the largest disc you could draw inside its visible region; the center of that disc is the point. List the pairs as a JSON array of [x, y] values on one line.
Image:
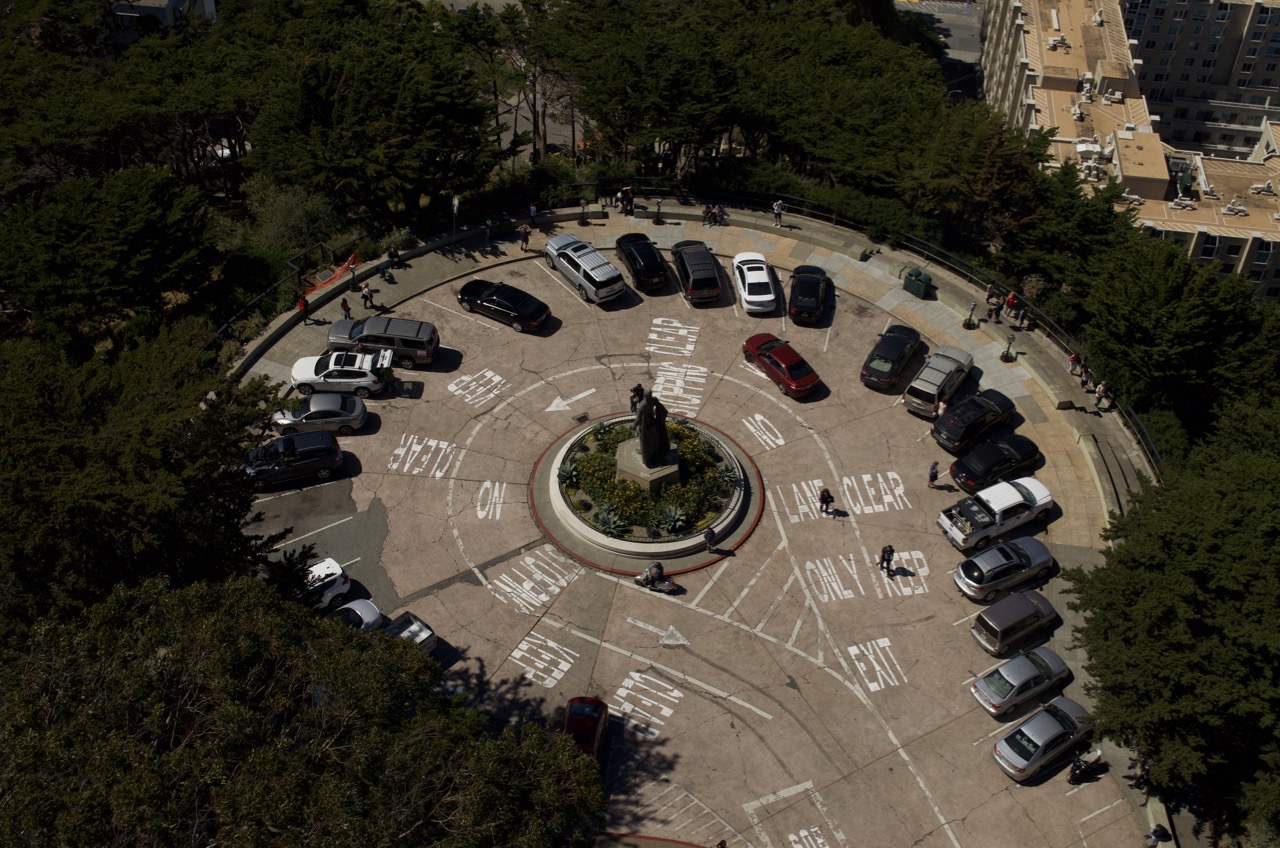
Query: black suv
[[314, 454], [966, 421], [643, 260], [698, 272]]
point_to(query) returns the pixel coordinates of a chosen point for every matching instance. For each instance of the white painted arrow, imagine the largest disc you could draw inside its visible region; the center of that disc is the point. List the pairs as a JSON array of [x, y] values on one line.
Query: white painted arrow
[[669, 637], [562, 404]]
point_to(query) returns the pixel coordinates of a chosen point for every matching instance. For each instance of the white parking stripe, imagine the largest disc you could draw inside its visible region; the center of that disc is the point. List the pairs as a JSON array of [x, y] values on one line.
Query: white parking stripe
[[559, 279], [313, 532]]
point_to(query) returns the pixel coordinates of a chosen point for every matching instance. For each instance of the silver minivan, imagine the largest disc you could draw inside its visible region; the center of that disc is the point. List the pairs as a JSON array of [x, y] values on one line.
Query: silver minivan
[[939, 377], [1012, 619]]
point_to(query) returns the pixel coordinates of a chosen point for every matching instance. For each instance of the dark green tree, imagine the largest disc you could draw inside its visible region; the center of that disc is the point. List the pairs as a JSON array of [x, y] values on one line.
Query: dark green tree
[[219, 715], [1167, 333], [1180, 625], [116, 471], [90, 252]]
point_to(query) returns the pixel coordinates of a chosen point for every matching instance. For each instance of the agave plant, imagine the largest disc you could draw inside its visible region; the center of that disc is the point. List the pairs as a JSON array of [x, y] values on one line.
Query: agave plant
[[672, 519], [608, 522], [568, 475]]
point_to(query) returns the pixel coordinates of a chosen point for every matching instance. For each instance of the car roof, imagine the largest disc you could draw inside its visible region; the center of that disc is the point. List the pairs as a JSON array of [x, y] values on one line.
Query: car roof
[[749, 256], [1015, 606], [323, 570], [324, 400], [690, 245], [563, 241], [955, 354], [632, 239], [809, 271], [1044, 725], [1004, 495]]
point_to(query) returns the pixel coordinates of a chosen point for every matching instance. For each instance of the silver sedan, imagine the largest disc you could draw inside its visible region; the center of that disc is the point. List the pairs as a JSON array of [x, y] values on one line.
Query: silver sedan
[[1005, 565], [1052, 731], [1018, 680], [342, 414]]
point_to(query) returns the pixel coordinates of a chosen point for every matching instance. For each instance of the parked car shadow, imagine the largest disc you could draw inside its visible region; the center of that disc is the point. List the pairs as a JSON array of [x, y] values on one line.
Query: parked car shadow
[[412, 389], [372, 426], [446, 361]]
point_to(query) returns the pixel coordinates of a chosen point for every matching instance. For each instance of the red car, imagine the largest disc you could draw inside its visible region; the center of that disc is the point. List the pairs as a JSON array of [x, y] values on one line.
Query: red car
[[587, 720], [781, 364]]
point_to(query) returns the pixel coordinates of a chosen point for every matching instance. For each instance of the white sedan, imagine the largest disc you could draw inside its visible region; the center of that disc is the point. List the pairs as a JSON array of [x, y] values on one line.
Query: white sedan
[[755, 282]]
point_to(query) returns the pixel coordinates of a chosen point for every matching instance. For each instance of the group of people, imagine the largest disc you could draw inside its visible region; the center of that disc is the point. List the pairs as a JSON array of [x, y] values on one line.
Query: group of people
[[1008, 305], [1078, 367], [714, 216]]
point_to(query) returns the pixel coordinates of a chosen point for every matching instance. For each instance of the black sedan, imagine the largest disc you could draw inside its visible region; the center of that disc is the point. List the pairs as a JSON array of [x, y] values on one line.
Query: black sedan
[[505, 303], [993, 461], [810, 288], [968, 420], [885, 362], [642, 259]]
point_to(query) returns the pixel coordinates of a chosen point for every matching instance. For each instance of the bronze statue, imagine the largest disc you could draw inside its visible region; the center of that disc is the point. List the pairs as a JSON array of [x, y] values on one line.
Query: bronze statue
[[651, 425]]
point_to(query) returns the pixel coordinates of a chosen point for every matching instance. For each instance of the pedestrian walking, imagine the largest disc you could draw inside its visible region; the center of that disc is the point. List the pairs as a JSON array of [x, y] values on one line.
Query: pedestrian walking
[[886, 559], [1157, 834], [825, 500], [1101, 393], [346, 309], [933, 476], [999, 307], [1021, 317], [393, 256], [1073, 364], [533, 214], [1086, 376], [617, 199], [305, 309], [991, 313], [778, 209], [366, 295], [710, 538], [991, 291], [1010, 301], [525, 231], [637, 396]]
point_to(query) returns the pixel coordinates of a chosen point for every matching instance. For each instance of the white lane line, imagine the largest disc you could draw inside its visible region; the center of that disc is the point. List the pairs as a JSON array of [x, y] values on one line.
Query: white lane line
[[313, 532], [826, 340], [352, 562], [1103, 810], [723, 566], [559, 279], [294, 492], [984, 739], [470, 317], [750, 583], [966, 618], [777, 599], [679, 675]]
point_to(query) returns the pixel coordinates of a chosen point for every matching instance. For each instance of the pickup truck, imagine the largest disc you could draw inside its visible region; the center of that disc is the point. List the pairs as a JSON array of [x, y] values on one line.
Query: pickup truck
[[975, 521], [406, 625]]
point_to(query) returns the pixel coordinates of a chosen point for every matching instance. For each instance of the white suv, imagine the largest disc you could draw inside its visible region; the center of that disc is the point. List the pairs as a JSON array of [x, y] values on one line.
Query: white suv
[[595, 277]]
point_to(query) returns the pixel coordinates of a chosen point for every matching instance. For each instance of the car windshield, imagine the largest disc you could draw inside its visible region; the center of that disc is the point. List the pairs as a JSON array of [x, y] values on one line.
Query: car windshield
[[356, 329], [998, 683], [322, 364], [1067, 722], [759, 288], [799, 369], [1019, 554], [585, 709], [921, 393], [805, 295], [1038, 661], [880, 364], [1023, 491], [1022, 745], [704, 283], [510, 296]]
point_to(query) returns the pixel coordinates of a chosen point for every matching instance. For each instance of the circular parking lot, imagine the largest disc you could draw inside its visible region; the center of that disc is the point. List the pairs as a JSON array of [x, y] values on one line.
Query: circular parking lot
[[794, 693]]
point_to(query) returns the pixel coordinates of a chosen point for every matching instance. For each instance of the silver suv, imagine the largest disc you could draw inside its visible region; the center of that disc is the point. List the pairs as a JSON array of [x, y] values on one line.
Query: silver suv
[[595, 277], [941, 375]]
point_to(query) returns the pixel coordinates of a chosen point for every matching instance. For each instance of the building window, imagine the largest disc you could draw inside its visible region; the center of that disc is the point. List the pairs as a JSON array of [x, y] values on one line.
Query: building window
[[1257, 100], [1209, 247], [1216, 32], [1262, 255], [1256, 35], [1242, 82], [1250, 141], [1189, 62], [1151, 45], [1181, 92], [1251, 52], [1142, 77], [1180, 113], [1233, 250], [1207, 64], [1184, 78], [1211, 48], [1164, 62], [1246, 68], [1193, 45], [1179, 135], [1276, 273], [1272, 292]]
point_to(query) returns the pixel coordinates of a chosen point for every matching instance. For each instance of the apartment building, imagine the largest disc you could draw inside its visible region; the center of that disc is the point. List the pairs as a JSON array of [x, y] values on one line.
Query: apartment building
[[1211, 69], [1070, 66]]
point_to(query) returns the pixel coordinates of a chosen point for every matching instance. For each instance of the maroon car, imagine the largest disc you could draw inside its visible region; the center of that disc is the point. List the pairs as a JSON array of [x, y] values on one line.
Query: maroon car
[[587, 720], [781, 364]]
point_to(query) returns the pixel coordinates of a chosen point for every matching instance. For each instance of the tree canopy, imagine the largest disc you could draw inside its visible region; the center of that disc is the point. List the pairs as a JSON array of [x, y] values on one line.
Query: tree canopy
[[217, 715], [1182, 625]]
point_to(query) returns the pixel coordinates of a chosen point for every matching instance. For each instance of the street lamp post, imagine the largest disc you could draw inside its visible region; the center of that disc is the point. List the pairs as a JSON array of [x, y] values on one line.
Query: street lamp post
[[969, 323], [1009, 355], [582, 221], [657, 217]]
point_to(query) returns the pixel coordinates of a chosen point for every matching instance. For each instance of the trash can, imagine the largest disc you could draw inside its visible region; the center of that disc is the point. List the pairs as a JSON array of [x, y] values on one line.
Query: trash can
[[918, 283]]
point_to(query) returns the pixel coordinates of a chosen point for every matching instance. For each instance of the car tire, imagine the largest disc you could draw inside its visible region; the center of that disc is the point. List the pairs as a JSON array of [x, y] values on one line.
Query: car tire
[[305, 390], [582, 293], [362, 392], [1042, 573], [324, 473], [746, 357], [408, 362], [782, 388], [981, 544], [515, 325], [1041, 514], [551, 263], [345, 430], [288, 431], [990, 596], [466, 306]]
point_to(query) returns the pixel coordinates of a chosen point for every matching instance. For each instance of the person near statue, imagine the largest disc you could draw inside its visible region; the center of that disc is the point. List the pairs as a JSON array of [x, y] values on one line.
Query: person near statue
[[651, 426]]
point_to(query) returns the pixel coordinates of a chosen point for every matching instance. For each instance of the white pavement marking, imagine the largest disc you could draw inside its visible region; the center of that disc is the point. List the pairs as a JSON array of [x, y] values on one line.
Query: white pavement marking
[[312, 533], [679, 675], [560, 279], [752, 582], [826, 339], [562, 404], [701, 811], [294, 492], [968, 617], [984, 739], [668, 638], [469, 316], [1103, 810], [352, 562], [721, 570]]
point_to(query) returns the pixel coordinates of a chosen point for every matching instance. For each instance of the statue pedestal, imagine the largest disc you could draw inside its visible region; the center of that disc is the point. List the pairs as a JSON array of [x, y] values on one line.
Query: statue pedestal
[[653, 480]]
